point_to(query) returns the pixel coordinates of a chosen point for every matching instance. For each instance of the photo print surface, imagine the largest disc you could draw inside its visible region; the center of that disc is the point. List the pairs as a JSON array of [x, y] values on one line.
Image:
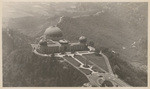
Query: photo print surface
[[74, 44]]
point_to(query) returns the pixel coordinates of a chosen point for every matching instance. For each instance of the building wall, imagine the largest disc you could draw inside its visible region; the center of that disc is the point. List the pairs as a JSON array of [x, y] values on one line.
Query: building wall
[[54, 38], [53, 49], [42, 49], [78, 47], [63, 48]]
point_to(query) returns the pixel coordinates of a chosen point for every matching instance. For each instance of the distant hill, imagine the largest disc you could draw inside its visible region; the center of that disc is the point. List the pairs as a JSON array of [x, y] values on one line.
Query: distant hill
[[121, 30], [115, 31], [31, 18]]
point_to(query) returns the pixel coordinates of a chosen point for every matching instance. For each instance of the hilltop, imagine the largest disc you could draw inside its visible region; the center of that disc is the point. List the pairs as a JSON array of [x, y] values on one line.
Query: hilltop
[[22, 68]]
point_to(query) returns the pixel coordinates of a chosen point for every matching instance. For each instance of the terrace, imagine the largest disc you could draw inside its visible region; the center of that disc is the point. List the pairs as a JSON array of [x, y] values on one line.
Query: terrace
[[97, 60], [83, 60], [72, 61], [86, 71]]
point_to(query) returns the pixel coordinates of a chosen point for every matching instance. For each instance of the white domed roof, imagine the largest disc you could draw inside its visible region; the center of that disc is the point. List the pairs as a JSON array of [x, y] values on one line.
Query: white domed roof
[[82, 39], [53, 31]]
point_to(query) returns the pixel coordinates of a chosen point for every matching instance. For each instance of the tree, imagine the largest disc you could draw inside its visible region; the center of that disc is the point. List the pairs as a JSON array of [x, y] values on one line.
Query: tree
[[91, 43], [97, 51], [107, 83], [53, 56]]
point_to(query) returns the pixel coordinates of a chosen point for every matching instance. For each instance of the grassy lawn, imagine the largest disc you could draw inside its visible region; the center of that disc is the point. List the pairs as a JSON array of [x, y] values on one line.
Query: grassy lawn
[[86, 71], [99, 61], [73, 61], [80, 58], [96, 69]]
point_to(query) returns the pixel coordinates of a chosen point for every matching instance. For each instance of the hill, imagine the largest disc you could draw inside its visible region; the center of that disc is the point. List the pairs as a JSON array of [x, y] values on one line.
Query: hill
[[29, 18], [22, 68], [124, 34]]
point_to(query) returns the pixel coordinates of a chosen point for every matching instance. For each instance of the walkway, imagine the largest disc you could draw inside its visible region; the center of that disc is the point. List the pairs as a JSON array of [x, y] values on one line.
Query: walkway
[[92, 70]]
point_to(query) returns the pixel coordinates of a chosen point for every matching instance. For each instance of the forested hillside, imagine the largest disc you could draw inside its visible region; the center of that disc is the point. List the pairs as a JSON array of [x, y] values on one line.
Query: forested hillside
[[23, 68], [123, 31]]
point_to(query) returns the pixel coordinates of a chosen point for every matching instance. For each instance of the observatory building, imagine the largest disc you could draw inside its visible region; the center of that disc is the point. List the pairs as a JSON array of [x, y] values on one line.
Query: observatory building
[[52, 42], [80, 55]]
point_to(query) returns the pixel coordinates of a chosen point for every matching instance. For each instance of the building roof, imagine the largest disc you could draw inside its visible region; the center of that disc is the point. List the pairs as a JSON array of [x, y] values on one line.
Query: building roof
[[63, 41], [74, 44], [53, 31], [54, 45]]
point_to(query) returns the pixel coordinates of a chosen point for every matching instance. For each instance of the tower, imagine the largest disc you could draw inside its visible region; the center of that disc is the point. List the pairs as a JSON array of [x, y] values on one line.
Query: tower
[[64, 46], [83, 39], [83, 43], [42, 47]]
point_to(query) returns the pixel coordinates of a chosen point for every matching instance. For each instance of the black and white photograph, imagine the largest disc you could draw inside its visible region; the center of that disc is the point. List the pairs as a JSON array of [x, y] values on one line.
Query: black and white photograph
[[74, 44]]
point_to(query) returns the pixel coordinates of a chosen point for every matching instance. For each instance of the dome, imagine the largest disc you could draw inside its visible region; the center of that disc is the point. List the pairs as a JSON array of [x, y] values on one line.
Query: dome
[[44, 43], [83, 39], [53, 32]]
